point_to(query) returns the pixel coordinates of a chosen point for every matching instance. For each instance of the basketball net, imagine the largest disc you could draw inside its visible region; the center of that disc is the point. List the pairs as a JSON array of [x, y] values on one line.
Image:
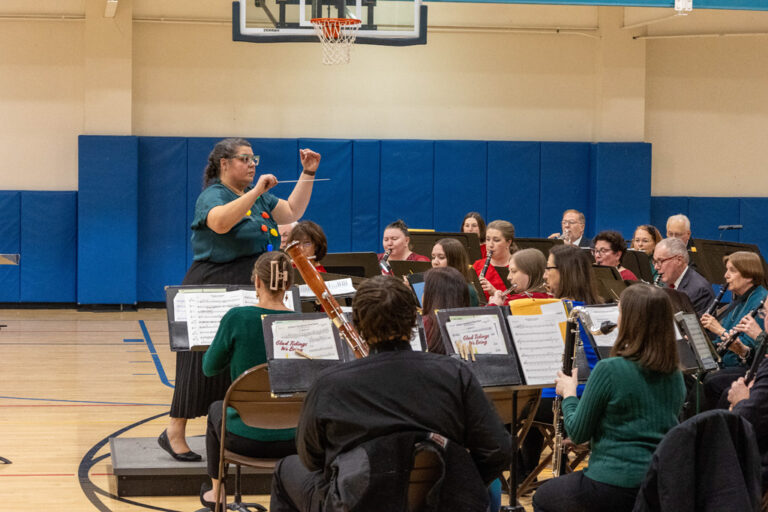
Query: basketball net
[[337, 35]]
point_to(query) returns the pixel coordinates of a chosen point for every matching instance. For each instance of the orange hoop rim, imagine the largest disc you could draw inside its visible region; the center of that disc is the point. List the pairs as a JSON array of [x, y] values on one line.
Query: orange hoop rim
[[339, 21]]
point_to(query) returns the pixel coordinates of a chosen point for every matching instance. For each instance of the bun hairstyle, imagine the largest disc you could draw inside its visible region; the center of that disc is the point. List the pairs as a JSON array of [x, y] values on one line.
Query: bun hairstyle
[[403, 227], [274, 269], [507, 230], [226, 148]]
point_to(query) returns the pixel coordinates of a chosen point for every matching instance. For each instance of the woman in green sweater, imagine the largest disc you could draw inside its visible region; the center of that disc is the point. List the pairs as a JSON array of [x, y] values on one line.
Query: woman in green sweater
[[239, 345], [630, 401]]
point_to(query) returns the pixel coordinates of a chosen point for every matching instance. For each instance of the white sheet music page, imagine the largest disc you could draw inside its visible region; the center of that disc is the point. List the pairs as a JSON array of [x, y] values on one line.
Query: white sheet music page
[[415, 340], [204, 312], [336, 287], [312, 337], [179, 301], [251, 299], [599, 315], [481, 332], [539, 345]]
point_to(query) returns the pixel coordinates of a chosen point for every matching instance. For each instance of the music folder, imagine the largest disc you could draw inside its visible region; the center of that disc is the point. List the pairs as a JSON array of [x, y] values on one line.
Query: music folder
[[194, 311]]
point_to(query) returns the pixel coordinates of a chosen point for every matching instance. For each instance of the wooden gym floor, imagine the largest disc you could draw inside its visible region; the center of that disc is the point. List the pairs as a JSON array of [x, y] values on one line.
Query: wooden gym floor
[[71, 380]]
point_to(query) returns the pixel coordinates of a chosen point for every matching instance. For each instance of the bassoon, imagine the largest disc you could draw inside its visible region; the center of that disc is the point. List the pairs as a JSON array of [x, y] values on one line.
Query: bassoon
[[330, 305]]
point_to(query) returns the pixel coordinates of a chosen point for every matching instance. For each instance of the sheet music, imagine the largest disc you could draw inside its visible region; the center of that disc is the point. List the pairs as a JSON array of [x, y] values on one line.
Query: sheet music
[[336, 287], [415, 339], [539, 345], [599, 315], [481, 332], [698, 340], [312, 337], [179, 301], [204, 312]]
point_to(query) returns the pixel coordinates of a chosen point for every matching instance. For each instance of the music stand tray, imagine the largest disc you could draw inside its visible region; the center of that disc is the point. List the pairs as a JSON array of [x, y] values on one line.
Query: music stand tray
[[422, 242], [359, 264]]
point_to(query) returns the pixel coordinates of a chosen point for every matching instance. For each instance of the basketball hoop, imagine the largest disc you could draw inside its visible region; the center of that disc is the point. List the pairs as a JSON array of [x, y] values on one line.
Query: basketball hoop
[[337, 35]]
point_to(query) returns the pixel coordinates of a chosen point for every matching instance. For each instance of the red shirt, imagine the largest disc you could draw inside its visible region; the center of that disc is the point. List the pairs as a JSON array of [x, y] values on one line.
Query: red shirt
[[491, 276], [411, 257], [627, 275]]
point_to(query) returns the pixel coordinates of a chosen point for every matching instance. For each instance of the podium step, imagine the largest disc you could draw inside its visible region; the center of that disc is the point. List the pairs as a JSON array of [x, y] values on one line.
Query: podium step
[[142, 468]]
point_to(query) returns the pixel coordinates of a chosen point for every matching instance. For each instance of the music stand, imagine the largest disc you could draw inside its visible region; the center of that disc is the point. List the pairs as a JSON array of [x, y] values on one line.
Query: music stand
[[542, 244], [8, 259], [359, 264], [609, 282], [639, 263], [422, 242], [708, 257], [405, 267]]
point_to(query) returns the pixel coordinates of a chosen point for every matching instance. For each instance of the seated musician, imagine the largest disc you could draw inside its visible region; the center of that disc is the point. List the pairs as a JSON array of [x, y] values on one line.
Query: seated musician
[[473, 223], [526, 278], [238, 346], [745, 277], [751, 401], [500, 241], [645, 239], [449, 252], [444, 288], [394, 390], [314, 245], [679, 226], [670, 259], [397, 242], [609, 248], [630, 401], [572, 225]]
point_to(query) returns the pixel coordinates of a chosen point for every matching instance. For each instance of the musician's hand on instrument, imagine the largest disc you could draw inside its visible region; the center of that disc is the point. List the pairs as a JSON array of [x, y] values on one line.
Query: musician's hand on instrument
[[266, 182], [487, 286], [497, 298], [737, 347], [711, 324], [749, 326], [310, 160], [565, 385], [554, 235], [738, 392]]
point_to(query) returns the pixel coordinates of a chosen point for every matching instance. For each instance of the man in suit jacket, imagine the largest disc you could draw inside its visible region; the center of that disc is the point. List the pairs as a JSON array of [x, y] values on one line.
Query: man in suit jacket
[[670, 258], [573, 224]]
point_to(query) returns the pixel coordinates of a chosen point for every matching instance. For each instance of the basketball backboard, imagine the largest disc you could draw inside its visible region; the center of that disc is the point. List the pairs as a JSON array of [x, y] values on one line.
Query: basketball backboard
[[383, 22]]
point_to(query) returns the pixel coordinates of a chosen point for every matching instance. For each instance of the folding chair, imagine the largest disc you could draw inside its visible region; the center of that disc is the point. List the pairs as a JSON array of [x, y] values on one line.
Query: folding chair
[[250, 395]]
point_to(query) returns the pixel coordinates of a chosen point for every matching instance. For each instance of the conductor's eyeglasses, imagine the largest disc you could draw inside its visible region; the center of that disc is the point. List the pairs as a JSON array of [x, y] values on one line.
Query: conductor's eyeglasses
[[247, 159]]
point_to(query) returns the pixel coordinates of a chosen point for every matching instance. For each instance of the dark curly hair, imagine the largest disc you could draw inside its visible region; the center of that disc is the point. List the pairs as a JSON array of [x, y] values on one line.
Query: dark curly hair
[[384, 309], [226, 148]]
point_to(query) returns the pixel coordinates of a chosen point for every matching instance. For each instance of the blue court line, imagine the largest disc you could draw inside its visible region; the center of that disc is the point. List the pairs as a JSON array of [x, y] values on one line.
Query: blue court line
[[77, 401], [127, 340], [155, 358]]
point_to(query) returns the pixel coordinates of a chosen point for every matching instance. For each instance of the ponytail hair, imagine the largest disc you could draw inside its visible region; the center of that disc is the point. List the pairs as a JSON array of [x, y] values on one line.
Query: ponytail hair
[[226, 148]]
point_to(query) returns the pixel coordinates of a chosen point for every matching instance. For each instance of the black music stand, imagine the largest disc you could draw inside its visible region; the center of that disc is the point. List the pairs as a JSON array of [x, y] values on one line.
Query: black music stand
[[707, 257], [405, 268], [542, 244], [8, 259], [639, 263], [423, 241], [609, 282], [359, 264]]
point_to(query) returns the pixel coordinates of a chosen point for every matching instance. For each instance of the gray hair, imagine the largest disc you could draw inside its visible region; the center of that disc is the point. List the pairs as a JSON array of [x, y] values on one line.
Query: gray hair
[[675, 247], [582, 219], [680, 218]]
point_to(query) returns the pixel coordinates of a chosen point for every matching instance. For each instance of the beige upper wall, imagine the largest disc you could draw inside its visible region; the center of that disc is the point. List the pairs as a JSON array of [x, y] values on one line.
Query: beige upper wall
[[701, 102]]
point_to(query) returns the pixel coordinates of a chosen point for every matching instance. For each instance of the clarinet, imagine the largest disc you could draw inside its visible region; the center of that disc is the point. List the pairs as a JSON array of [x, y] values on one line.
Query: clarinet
[[759, 356], [327, 300], [716, 304], [386, 270], [723, 346], [569, 353], [657, 280], [487, 262]]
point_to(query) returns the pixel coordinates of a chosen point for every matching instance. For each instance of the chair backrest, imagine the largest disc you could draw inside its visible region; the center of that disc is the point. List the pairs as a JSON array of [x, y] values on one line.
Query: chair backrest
[[425, 473], [251, 396]]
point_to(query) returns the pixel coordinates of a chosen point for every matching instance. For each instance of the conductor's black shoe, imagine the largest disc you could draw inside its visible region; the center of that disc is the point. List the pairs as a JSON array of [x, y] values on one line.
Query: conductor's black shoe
[[204, 489], [165, 444]]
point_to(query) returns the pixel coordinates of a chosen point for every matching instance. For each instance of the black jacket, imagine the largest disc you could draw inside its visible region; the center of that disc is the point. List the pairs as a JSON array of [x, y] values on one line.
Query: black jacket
[[698, 289], [709, 463], [755, 410]]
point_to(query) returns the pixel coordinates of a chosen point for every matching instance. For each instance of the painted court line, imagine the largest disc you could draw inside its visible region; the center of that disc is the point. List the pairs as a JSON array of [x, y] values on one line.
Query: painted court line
[[155, 357]]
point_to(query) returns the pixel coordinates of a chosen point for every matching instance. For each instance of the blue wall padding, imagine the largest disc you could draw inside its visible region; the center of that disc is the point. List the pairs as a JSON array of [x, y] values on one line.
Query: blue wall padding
[[513, 185], [162, 211], [107, 219], [460, 174], [564, 183], [662, 207], [406, 190], [366, 157], [48, 246], [331, 202], [754, 212], [620, 191], [706, 213], [10, 243], [198, 149]]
